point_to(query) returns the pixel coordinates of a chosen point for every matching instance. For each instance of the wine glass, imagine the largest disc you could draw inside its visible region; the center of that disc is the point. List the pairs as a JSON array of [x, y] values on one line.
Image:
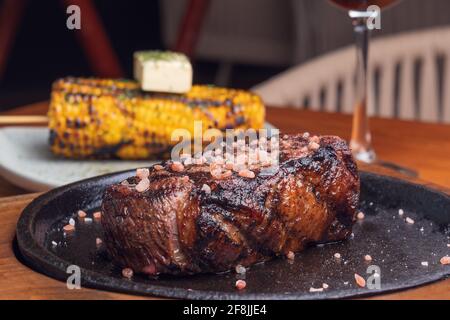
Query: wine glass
[[361, 139]]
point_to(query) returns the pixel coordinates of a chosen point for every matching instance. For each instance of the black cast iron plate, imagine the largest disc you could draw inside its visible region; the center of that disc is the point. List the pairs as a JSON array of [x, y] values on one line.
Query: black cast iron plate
[[397, 247]]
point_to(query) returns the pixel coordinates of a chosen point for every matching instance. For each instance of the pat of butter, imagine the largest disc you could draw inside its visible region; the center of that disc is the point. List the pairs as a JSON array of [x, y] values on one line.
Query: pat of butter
[[163, 71]]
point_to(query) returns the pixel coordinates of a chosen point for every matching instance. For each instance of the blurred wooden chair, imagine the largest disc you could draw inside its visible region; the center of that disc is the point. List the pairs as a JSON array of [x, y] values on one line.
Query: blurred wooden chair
[[92, 36], [190, 26], [409, 78]]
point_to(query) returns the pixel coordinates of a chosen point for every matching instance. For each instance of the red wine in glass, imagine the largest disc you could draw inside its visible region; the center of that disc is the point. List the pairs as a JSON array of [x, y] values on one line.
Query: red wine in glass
[[362, 4]]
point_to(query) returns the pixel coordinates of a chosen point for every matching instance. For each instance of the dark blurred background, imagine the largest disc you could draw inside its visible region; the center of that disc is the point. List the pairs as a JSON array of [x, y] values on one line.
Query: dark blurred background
[[240, 43], [44, 49]]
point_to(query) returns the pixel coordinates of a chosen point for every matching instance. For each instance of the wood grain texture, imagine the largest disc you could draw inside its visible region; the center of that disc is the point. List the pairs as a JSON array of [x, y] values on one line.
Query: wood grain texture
[[423, 147]]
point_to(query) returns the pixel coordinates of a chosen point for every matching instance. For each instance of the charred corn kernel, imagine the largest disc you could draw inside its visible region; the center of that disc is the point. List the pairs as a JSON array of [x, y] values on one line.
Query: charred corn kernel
[[106, 118]]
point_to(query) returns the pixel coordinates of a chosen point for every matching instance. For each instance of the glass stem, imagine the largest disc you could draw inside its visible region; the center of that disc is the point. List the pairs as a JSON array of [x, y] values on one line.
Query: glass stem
[[361, 139]]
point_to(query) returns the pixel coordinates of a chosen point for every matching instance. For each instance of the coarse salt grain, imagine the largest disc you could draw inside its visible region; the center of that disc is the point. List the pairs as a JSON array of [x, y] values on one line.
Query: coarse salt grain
[[325, 286], [290, 255], [127, 273], [368, 258], [97, 215], [401, 212], [158, 167], [445, 260], [177, 166], [337, 255], [424, 263], [315, 289], [306, 135], [409, 220], [142, 173], [360, 281], [206, 189], [143, 185], [240, 269], [82, 214], [360, 215], [313, 145], [247, 173], [241, 284], [68, 228]]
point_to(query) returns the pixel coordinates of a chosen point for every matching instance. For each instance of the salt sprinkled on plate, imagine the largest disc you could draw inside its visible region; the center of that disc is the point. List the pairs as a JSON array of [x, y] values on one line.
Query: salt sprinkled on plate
[[97, 215], [127, 273], [240, 269], [241, 284], [82, 214], [290, 255], [360, 281], [445, 260]]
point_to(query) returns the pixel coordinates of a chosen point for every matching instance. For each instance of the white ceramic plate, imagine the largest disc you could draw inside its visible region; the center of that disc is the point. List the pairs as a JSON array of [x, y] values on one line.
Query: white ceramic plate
[[26, 161]]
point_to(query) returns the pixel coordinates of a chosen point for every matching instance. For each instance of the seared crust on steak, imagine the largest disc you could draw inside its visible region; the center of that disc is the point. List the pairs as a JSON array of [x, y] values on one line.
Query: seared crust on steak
[[177, 227]]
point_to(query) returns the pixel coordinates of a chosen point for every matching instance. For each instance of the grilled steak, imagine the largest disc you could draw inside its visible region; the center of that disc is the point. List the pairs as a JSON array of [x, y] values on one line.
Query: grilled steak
[[188, 221]]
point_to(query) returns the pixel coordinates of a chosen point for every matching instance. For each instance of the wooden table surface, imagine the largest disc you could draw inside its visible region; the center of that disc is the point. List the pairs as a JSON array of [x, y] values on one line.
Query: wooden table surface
[[422, 147]]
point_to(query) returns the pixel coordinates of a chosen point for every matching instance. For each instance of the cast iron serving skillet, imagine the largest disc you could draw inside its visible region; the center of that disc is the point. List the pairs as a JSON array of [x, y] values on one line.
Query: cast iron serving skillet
[[403, 254]]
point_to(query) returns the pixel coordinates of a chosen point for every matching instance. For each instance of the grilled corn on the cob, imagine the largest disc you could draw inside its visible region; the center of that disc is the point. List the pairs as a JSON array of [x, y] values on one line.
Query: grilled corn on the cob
[[105, 118]]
